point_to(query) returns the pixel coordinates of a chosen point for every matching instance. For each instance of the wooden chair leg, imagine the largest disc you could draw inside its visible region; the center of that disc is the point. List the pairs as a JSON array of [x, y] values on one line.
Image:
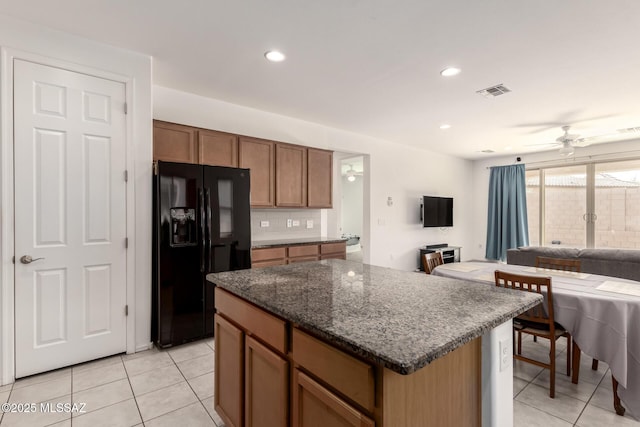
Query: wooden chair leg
[[594, 364], [519, 342], [575, 362], [535, 338], [552, 369], [616, 399], [569, 354]]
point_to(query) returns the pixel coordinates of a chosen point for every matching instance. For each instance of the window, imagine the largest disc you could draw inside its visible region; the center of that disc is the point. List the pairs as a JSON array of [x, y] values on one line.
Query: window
[[590, 205]]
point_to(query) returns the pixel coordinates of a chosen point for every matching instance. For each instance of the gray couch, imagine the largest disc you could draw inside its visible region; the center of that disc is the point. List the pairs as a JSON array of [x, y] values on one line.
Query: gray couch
[[623, 263]]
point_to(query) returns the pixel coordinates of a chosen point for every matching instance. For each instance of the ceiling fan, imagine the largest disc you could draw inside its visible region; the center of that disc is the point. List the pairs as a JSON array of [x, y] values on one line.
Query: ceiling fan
[[352, 173], [568, 142]]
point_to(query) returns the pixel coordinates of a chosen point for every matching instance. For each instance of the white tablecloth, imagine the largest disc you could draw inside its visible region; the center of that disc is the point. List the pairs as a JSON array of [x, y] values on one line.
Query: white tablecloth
[[605, 324]]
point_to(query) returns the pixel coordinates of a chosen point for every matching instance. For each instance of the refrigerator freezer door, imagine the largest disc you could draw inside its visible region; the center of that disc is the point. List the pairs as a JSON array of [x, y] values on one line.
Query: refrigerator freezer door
[[178, 279]]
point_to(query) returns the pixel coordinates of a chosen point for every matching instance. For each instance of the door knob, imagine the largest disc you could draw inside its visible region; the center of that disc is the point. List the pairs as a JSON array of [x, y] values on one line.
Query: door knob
[[26, 259]]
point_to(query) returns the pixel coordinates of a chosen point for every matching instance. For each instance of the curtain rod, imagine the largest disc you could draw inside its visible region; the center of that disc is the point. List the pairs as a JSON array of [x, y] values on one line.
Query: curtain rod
[[579, 160]]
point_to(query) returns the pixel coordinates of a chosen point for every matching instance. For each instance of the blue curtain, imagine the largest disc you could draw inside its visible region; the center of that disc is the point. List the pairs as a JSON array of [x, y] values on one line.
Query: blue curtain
[[507, 225]]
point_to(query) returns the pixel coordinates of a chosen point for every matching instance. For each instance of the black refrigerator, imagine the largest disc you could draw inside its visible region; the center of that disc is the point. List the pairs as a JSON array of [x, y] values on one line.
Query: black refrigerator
[[201, 224]]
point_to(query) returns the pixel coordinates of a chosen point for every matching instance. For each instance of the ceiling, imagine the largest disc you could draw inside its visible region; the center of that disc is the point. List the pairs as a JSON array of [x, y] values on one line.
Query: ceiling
[[373, 66]]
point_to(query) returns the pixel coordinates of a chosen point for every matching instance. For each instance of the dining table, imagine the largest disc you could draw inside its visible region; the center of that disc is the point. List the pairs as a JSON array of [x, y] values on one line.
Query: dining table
[[601, 313]]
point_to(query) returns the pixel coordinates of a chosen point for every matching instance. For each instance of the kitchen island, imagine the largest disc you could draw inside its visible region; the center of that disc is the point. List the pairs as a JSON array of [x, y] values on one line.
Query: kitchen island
[[343, 343]]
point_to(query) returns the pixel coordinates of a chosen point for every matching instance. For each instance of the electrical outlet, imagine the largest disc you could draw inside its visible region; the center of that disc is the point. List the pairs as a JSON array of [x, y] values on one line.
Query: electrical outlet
[[289, 223], [505, 354], [296, 223], [309, 223], [264, 223]]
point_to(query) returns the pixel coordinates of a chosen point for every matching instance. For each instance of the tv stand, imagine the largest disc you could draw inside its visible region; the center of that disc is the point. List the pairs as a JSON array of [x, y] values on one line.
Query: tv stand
[[449, 253]]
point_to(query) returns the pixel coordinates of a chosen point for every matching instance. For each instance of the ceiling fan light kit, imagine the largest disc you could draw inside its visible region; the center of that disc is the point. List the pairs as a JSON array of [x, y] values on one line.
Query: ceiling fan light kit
[[567, 149]]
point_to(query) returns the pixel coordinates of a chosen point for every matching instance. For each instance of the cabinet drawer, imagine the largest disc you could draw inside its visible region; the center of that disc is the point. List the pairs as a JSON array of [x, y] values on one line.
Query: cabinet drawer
[[304, 250], [348, 375], [340, 255], [258, 255], [255, 321], [329, 248], [303, 259]]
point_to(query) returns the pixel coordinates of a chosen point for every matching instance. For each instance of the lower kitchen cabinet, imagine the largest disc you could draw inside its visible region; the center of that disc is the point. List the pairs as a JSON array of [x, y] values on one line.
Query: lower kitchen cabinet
[[251, 379], [316, 406], [265, 257], [266, 386], [229, 342]]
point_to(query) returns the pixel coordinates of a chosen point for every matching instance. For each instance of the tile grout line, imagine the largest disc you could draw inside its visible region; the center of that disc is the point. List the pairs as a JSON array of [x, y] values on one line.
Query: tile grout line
[[135, 399]]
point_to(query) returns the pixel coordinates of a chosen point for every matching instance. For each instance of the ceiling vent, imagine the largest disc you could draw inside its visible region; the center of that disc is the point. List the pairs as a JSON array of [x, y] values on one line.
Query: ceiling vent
[[493, 91], [630, 130], [487, 151]]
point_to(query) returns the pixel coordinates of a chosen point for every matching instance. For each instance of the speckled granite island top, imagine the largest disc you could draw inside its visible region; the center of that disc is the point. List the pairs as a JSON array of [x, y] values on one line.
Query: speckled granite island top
[[260, 244], [402, 320]]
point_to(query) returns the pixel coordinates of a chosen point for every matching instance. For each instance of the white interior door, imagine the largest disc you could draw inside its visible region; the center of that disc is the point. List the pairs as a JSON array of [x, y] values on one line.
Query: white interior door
[[70, 217]]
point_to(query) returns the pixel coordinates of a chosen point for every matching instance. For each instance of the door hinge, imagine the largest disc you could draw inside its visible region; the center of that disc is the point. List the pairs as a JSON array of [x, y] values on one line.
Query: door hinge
[[126, 310], [155, 168], [125, 108], [126, 242], [126, 176], [13, 259]]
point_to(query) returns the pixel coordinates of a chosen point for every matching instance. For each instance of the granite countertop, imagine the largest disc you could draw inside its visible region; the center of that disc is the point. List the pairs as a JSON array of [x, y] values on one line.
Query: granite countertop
[[402, 320], [260, 244]]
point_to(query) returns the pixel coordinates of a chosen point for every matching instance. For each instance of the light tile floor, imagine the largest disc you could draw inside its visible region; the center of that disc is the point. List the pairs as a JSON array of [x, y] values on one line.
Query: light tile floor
[[175, 387]]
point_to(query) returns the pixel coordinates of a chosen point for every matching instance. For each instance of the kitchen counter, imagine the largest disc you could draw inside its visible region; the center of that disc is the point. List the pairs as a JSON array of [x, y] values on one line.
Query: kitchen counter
[[400, 320], [260, 244]]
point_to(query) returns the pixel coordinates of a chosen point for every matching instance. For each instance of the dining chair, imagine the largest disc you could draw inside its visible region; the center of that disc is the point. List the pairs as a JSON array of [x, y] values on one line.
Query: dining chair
[[536, 321], [570, 265], [431, 261]]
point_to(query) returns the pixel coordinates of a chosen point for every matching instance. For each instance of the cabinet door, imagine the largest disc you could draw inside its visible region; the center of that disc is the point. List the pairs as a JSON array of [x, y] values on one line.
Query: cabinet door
[[258, 156], [218, 148], [228, 383], [291, 176], [320, 174], [266, 386], [174, 143], [315, 406]]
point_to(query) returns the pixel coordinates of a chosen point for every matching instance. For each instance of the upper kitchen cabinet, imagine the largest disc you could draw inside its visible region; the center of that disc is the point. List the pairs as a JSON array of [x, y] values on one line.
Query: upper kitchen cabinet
[[258, 156], [291, 176], [319, 169], [174, 143], [217, 148]]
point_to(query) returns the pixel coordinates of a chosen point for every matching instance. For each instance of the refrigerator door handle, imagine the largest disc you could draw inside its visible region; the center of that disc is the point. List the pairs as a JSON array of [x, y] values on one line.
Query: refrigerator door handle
[[208, 202], [202, 230]]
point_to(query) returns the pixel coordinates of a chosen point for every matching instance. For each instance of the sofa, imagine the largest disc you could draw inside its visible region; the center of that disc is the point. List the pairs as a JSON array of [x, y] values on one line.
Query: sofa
[[622, 263]]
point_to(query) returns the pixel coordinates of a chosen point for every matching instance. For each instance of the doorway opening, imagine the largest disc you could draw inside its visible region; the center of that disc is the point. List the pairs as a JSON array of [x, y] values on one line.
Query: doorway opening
[[351, 215]]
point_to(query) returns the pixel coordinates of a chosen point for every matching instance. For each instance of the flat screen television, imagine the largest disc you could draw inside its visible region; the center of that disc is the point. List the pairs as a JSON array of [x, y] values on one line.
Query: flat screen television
[[437, 211]]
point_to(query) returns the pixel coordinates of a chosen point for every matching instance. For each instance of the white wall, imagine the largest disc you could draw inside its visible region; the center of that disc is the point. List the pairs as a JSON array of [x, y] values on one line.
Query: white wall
[[399, 171], [19, 36], [481, 172]]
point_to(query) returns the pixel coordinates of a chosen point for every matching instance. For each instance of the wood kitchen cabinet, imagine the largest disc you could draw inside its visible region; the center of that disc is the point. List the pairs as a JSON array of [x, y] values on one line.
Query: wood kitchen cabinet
[[282, 175], [291, 176], [319, 178], [252, 373], [258, 156], [266, 386], [229, 342], [316, 406], [217, 148], [174, 143], [266, 257]]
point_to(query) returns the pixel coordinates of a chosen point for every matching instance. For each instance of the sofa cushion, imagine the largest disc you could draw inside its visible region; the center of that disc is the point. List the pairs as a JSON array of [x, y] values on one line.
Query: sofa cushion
[[624, 263], [526, 255]]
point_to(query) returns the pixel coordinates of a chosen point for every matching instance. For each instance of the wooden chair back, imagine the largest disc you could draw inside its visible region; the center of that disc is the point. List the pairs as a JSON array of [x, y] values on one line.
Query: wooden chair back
[[572, 265], [537, 284], [431, 261]]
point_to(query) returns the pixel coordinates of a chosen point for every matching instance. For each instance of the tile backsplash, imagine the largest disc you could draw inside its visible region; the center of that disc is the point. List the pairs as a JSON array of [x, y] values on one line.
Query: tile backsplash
[[277, 220]]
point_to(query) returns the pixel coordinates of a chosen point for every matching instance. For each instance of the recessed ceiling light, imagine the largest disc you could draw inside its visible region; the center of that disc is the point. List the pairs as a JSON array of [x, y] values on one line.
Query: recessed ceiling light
[[445, 126], [450, 71], [508, 148], [274, 56]]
